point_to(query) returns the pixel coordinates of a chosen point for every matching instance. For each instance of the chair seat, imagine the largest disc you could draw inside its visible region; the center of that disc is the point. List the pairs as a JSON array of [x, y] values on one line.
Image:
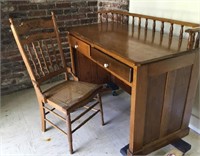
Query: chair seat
[[70, 93]]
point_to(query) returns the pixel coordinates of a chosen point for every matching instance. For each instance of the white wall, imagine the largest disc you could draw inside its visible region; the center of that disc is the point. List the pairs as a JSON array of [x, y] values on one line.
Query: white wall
[[185, 10]]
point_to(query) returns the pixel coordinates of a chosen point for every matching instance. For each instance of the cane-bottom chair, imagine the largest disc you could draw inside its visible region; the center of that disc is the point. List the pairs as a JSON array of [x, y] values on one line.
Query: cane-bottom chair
[[40, 45]]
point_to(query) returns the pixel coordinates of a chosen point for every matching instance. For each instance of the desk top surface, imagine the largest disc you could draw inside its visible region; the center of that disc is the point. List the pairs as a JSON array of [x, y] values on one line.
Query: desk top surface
[[120, 40]]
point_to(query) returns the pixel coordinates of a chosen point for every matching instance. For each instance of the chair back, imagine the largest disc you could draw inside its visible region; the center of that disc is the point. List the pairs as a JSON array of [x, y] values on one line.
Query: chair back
[[40, 46]]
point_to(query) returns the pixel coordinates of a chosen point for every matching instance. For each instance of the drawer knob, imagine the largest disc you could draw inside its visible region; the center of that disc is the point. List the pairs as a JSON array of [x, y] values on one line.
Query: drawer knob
[[105, 65], [76, 46]]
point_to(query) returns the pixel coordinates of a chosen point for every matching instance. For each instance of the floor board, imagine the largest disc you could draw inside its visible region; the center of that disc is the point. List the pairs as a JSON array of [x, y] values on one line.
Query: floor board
[[20, 131]]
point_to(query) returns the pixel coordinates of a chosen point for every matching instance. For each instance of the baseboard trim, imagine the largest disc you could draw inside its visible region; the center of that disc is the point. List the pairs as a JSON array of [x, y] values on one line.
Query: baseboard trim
[[195, 124]]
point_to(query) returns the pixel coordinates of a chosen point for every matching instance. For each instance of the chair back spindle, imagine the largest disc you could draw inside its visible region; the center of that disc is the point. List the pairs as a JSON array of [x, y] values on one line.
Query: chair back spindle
[[40, 47]]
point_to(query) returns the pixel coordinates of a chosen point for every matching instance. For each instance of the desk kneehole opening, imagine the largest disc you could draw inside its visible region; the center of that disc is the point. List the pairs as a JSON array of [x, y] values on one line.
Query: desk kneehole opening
[[112, 64]]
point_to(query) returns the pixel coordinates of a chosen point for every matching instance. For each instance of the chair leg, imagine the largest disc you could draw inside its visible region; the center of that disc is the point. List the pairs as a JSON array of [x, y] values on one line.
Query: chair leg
[[42, 114], [101, 108], [69, 133]]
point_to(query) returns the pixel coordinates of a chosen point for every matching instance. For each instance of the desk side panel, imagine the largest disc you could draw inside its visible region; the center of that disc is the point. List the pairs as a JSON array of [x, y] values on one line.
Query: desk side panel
[[170, 84]]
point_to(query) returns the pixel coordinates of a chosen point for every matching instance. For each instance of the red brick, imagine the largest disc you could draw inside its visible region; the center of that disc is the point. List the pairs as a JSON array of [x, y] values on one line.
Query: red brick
[[60, 23], [64, 17], [63, 5], [18, 2], [78, 16], [92, 3], [18, 14], [46, 6], [27, 7], [84, 10], [37, 13], [79, 4], [56, 11], [5, 22], [16, 58], [10, 53], [70, 10], [91, 15]]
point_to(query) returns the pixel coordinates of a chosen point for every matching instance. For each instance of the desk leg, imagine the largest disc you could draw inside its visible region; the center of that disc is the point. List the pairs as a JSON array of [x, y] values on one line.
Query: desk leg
[[138, 108]]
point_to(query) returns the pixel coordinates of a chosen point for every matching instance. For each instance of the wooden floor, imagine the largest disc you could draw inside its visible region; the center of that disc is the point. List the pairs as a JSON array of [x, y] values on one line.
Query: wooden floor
[[20, 132]]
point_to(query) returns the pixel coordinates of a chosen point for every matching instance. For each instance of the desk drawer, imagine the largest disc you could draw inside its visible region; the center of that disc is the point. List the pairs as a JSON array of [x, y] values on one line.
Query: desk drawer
[[81, 46], [112, 64]]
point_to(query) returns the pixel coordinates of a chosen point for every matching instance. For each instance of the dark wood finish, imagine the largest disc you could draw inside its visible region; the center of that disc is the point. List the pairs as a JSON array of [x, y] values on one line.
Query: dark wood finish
[[91, 72], [121, 84], [165, 72], [40, 46], [192, 33], [112, 65], [155, 96], [178, 22], [160, 143], [122, 35], [167, 107], [179, 99], [138, 107], [25, 26], [171, 64], [80, 46]]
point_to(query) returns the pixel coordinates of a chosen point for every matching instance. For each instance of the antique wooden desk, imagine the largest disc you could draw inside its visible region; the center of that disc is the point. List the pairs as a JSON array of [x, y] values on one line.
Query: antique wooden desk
[[160, 71]]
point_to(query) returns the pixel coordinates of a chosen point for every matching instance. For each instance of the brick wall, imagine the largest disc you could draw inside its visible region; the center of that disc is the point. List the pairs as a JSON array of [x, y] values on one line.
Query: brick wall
[[113, 4], [68, 13]]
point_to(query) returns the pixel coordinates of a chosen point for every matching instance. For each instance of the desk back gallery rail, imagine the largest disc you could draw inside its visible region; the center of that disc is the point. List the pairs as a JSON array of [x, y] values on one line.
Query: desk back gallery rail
[[153, 23]]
